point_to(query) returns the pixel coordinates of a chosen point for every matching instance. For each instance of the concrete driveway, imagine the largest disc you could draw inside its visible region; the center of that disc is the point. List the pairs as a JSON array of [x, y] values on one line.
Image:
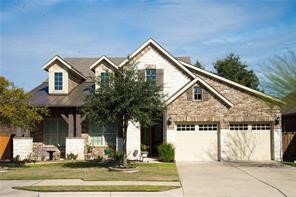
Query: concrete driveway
[[237, 179]]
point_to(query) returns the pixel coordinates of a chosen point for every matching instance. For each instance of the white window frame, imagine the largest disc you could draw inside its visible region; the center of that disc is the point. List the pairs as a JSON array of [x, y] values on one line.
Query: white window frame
[[261, 126], [238, 126], [207, 127], [185, 127], [201, 93]]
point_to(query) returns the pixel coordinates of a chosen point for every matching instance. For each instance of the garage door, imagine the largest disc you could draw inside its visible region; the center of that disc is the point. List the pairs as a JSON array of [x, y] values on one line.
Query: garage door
[[247, 142], [196, 142]]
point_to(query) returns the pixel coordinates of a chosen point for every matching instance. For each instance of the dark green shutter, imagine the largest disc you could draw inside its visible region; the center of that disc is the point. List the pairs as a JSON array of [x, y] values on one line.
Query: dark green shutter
[[159, 78], [141, 73]]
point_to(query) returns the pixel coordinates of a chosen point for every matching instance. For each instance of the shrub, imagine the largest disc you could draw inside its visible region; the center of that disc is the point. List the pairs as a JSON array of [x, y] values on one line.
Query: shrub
[[89, 148], [117, 157], [166, 152], [144, 148], [71, 156]]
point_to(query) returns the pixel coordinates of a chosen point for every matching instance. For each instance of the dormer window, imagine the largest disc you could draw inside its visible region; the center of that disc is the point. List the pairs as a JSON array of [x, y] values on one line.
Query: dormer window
[[151, 75], [197, 94], [58, 81], [104, 78]]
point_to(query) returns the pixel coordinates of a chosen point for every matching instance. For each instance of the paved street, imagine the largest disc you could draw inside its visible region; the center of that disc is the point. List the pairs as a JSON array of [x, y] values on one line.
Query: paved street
[[198, 179]]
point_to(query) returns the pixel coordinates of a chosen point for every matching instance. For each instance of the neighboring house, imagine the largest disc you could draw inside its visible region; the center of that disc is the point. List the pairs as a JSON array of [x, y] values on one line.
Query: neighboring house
[[289, 134], [207, 117]]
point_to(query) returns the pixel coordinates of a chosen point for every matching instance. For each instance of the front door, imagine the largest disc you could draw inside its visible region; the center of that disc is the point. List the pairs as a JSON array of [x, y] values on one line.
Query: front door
[[152, 137]]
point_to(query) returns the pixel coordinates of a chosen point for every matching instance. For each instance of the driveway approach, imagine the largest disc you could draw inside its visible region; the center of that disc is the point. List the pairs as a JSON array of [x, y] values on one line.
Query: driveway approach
[[237, 179]]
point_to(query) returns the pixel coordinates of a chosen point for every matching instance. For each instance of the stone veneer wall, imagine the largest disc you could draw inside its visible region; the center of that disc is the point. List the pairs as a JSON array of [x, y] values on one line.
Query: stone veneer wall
[[247, 108]]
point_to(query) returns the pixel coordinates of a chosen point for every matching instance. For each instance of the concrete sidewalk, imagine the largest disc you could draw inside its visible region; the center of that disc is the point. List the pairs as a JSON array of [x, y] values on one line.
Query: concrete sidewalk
[[170, 193]]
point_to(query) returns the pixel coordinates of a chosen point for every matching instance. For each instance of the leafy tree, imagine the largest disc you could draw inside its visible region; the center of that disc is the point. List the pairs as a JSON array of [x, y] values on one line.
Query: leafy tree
[[126, 98], [15, 109], [199, 65], [233, 69], [280, 77]]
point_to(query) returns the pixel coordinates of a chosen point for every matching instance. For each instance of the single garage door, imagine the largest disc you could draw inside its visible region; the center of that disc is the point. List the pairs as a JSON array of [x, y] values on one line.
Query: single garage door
[[196, 142], [247, 142]]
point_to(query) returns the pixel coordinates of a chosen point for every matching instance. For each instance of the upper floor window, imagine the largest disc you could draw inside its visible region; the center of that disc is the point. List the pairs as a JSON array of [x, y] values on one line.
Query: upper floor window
[[58, 81], [151, 75], [197, 94], [104, 78]]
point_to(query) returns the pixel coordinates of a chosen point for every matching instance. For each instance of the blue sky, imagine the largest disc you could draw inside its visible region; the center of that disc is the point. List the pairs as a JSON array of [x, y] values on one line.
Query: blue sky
[[33, 31]]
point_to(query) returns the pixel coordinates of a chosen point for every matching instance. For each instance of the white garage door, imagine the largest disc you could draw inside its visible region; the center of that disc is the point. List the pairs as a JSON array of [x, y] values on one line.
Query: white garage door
[[247, 142], [196, 142]]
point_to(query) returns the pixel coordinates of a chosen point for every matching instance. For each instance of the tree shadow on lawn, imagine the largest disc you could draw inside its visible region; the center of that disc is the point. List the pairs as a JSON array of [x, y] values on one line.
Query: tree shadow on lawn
[[88, 164]]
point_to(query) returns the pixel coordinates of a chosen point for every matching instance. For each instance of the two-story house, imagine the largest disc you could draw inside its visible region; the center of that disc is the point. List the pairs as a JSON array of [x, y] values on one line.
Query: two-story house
[[207, 117]]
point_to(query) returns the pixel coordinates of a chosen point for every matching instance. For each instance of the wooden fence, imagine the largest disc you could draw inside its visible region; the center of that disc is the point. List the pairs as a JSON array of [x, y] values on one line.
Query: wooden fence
[[289, 146]]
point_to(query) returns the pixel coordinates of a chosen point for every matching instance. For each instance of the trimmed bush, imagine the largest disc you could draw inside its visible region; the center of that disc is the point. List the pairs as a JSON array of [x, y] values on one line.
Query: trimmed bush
[[166, 152]]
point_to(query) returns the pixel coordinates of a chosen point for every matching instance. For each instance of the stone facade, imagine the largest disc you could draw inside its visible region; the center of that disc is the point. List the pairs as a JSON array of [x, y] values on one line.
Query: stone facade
[[247, 108]]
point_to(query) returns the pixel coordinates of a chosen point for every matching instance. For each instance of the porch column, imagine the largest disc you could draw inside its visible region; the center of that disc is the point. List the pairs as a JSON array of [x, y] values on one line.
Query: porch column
[[22, 144], [70, 121], [19, 132], [79, 121]]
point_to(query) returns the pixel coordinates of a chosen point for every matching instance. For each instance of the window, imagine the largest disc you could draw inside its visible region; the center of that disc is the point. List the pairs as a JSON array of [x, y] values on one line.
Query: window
[[151, 75], [185, 127], [260, 126], [55, 131], [207, 127], [197, 93], [102, 136], [58, 81], [239, 126], [104, 78]]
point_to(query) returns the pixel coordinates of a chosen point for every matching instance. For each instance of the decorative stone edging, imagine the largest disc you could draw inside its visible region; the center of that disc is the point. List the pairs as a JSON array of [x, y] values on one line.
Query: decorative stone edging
[[124, 170]]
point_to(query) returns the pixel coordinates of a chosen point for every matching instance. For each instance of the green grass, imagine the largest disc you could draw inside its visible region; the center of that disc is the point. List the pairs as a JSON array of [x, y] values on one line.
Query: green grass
[[97, 188], [290, 163], [90, 170]]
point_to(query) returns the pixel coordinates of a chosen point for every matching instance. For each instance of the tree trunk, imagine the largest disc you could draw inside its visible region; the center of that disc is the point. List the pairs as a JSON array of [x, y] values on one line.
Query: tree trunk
[[124, 138]]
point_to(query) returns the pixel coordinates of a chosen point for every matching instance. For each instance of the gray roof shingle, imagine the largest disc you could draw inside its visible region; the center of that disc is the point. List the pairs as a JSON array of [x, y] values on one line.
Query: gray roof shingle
[[41, 97], [83, 64]]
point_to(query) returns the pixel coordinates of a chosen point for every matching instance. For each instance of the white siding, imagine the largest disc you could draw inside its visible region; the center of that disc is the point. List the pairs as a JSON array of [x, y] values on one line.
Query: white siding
[[278, 144], [173, 79], [133, 141]]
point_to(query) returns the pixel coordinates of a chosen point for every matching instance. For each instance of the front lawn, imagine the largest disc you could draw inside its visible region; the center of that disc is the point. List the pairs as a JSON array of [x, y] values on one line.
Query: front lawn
[[90, 170], [97, 188]]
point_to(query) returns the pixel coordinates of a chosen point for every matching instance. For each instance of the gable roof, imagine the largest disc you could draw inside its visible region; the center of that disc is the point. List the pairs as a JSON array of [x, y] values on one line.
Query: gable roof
[[167, 54], [82, 64], [58, 58], [191, 83], [235, 84], [94, 65]]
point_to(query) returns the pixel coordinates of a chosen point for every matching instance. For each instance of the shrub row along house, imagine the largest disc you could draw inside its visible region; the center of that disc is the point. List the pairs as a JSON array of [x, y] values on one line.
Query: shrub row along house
[[207, 117]]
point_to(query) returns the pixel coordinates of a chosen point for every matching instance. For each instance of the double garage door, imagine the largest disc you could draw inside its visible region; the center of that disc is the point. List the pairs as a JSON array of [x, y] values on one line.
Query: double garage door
[[206, 142]]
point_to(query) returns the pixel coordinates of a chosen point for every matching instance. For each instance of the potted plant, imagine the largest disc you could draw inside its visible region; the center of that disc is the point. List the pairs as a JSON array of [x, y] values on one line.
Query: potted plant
[[89, 150], [144, 150]]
